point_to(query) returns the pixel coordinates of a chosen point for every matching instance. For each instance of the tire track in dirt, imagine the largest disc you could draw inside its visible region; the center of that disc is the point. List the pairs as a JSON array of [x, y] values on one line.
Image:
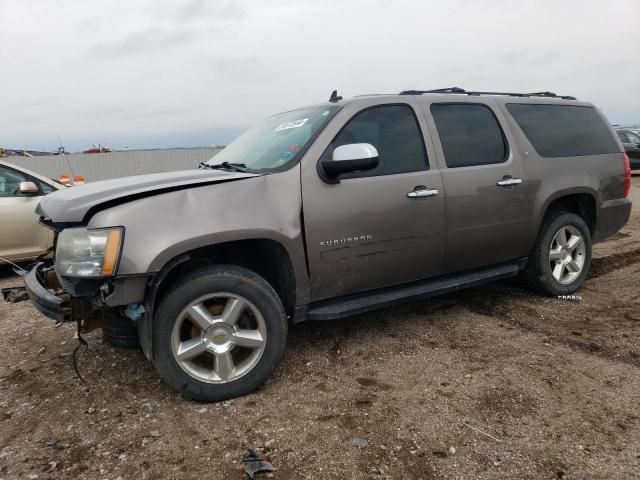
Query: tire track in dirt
[[610, 263], [592, 348], [499, 306], [502, 302]]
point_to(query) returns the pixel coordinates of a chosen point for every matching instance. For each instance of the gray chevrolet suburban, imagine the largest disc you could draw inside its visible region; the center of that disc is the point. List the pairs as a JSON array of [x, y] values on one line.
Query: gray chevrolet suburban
[[328, 211]]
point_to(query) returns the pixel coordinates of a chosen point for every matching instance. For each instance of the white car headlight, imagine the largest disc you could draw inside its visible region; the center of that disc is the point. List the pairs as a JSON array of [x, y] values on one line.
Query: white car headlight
[[88, 253]]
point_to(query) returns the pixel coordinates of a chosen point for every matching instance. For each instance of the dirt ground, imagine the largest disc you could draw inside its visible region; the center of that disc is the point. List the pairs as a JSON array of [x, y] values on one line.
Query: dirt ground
[[491, 383]]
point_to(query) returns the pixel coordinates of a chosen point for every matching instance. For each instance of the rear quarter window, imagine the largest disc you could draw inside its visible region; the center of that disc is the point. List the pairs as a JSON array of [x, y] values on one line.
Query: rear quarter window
[[563, 130]]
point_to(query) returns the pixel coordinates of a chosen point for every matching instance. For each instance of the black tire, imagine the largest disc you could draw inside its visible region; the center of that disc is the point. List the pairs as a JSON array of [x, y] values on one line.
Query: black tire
[[539, 273], [205, 281], [120, 332]]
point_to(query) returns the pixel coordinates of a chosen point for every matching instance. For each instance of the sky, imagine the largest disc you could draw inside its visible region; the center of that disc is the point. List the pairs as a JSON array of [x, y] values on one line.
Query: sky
[[153, 73]]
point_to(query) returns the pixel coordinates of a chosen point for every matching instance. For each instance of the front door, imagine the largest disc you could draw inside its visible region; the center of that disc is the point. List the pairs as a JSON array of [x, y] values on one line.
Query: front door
[[374, 228], [21, 236], [484, 186]]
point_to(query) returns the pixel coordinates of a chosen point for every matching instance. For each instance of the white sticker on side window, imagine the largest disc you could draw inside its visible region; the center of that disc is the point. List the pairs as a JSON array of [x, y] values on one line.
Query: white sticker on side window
[[292, 124]]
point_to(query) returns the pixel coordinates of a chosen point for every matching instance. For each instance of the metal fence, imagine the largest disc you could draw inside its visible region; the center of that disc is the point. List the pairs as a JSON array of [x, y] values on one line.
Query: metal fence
[[102, 166]]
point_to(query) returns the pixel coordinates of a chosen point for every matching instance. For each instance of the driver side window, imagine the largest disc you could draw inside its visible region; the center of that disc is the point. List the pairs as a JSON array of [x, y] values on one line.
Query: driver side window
[[10, 182], [393, 130]]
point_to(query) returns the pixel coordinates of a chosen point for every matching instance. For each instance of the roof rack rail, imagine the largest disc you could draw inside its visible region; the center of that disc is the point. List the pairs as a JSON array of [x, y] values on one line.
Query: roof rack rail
[[462, 91]]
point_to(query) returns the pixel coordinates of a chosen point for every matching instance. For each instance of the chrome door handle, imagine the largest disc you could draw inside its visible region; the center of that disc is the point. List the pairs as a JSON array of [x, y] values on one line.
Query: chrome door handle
[[509, 182], [426, 192]]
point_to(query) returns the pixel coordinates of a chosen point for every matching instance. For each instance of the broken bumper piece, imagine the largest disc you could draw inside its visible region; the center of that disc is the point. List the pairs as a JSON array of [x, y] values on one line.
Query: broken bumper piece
[[15, 294], [51, 302]]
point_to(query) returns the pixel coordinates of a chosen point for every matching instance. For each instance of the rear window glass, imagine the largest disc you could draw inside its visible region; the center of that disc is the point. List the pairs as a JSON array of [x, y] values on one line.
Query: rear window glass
[[563, 130]]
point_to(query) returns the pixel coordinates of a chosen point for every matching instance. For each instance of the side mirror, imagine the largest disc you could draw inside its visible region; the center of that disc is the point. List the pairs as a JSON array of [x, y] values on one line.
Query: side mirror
[[28, 188], [354, 157]]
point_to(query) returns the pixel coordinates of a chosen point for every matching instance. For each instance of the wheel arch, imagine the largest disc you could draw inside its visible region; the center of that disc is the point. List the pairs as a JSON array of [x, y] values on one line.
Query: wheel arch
[[581, 201], [266, 257]]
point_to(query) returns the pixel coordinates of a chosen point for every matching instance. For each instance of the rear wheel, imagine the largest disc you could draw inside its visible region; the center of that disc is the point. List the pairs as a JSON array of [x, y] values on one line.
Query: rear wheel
[[219, 333], [561, 257]]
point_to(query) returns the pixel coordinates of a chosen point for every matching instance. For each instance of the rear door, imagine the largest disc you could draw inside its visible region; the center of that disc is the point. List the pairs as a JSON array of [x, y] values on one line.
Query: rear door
[[372, 230], [21, 236], [483, 182]]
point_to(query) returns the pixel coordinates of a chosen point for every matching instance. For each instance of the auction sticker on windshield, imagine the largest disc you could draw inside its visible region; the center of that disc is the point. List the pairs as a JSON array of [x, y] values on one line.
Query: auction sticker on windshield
[[292, 124]]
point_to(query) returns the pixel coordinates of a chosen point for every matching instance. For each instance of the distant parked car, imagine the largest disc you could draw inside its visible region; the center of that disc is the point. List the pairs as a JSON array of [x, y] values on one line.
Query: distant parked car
[[21, 235], [631, 142]]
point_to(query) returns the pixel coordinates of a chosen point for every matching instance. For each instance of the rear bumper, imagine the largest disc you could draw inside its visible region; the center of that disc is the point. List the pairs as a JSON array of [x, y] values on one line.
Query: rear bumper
[[613, 215], [46, 300]]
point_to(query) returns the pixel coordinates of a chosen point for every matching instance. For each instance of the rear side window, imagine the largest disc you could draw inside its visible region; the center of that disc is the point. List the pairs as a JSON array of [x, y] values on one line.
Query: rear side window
[[563, 130], [394, 131], [469, 134]]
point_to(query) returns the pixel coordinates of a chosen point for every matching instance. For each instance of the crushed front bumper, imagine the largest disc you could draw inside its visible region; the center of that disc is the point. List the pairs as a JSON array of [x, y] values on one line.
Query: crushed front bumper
[[49, 299]]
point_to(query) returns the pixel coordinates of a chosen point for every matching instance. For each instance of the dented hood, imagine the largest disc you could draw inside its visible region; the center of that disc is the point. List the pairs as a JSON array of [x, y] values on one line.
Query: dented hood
[[71, 205]]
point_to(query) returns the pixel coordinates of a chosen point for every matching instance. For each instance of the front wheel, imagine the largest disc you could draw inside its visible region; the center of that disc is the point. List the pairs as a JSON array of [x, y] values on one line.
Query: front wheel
[[219, 333], [561, 257]]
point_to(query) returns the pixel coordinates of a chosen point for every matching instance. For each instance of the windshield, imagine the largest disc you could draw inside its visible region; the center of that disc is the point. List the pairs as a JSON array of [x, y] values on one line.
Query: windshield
[[277, 140], [633, 137]]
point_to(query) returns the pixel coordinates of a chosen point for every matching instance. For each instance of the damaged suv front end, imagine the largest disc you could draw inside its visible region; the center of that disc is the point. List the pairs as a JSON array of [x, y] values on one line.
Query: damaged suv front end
[[125, 249], [81, 281], [76, 285]]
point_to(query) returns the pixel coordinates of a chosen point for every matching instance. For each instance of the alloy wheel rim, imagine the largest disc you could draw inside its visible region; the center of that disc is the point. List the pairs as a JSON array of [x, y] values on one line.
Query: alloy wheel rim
[[218, 338], [567, 255]]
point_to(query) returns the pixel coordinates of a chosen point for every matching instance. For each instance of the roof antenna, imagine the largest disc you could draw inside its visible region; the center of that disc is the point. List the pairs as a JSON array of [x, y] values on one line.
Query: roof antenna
[[335, 97]]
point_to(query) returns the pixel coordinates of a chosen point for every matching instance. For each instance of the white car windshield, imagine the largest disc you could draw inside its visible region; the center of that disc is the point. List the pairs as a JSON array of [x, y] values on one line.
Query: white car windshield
[[276, 141]]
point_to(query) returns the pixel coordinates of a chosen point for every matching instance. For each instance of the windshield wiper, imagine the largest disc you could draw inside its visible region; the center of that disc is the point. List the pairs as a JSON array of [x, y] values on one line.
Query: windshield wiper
[[236, 167]]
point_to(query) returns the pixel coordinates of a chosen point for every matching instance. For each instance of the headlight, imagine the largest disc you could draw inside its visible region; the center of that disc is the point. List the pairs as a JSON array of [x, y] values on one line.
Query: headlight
[[88, 253]]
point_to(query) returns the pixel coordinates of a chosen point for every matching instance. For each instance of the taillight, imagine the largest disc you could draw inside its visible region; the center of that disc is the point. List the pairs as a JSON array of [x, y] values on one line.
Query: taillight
[[627, 176]]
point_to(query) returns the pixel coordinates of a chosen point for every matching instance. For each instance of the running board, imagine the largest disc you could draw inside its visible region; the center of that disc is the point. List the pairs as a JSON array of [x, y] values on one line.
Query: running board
[[364, 302]]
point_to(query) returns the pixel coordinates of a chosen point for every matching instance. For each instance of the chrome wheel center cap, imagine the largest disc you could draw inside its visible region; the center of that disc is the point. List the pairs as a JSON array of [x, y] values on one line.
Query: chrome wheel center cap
[[219, 335]]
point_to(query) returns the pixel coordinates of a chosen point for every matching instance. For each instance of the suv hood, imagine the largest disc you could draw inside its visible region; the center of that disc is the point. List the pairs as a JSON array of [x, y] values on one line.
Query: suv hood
[[71, 205]]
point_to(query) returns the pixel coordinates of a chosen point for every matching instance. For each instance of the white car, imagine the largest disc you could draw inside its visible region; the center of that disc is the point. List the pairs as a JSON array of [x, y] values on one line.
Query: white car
[[21, 235]]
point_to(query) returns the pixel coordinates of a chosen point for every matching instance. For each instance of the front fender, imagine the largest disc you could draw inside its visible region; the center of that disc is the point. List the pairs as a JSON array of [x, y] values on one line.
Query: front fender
[[162, 227]]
